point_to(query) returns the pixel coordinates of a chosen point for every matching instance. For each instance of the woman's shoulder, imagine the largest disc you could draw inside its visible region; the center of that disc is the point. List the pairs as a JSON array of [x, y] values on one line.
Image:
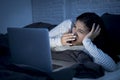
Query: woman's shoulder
[[68, 21]]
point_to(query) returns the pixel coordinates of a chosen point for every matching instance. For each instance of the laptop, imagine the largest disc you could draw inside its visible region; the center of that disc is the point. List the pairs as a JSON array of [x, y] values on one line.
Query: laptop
[[31, 47]]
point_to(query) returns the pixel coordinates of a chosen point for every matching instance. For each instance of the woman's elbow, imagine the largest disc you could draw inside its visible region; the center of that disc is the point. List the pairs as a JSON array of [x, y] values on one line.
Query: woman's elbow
[[112, 68]]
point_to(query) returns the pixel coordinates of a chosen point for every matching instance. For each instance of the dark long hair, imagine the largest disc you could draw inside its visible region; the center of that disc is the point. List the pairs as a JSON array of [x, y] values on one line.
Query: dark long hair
[[88, 19]]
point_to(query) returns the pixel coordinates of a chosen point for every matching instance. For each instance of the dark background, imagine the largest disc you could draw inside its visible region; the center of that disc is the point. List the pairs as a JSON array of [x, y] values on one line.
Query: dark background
[[18, 13]]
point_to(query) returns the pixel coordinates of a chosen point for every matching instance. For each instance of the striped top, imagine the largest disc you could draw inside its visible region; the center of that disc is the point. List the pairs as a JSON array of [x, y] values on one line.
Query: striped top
[[98, 55]]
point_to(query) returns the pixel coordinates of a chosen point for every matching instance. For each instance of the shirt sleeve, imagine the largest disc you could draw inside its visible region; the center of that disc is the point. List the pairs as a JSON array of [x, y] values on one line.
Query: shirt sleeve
[[56, 33], [99, 56], [55, 41]]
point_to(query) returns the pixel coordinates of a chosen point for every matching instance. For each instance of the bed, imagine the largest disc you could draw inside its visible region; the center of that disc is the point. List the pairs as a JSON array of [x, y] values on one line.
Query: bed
[[8, 71]]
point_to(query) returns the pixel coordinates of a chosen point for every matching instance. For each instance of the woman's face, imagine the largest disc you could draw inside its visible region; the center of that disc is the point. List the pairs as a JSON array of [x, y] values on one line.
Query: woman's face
[[80, 30]]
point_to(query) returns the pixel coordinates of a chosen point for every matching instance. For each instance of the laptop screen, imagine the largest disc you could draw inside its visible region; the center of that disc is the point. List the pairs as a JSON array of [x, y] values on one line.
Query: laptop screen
[[30, 47]]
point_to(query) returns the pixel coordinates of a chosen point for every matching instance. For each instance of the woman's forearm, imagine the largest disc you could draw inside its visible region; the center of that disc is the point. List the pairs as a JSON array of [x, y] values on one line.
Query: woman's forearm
[[99, 56]]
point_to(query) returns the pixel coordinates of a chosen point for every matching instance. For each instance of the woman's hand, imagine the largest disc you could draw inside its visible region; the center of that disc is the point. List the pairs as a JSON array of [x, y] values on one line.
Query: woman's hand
[[94, 32], [67, 38]]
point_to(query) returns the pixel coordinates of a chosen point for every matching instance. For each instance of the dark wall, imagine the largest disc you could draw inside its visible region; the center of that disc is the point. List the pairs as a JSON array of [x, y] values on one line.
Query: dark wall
[[14, 13], [55, 11]]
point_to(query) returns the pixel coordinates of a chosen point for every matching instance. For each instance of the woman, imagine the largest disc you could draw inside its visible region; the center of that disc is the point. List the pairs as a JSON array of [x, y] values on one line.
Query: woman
[[84, 32]]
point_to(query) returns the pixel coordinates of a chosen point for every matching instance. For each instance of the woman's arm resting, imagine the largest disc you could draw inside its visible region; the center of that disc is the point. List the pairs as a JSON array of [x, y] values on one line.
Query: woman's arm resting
[[99, 56]]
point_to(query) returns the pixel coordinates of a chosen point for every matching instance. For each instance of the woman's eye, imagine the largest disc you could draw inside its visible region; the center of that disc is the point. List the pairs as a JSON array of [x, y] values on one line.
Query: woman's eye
[[80, 31]]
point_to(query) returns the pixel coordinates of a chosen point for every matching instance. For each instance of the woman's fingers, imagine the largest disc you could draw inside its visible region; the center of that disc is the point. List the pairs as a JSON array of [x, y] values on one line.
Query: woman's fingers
[[93, 28], [66, 38], [69, 36], [95, 31]]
